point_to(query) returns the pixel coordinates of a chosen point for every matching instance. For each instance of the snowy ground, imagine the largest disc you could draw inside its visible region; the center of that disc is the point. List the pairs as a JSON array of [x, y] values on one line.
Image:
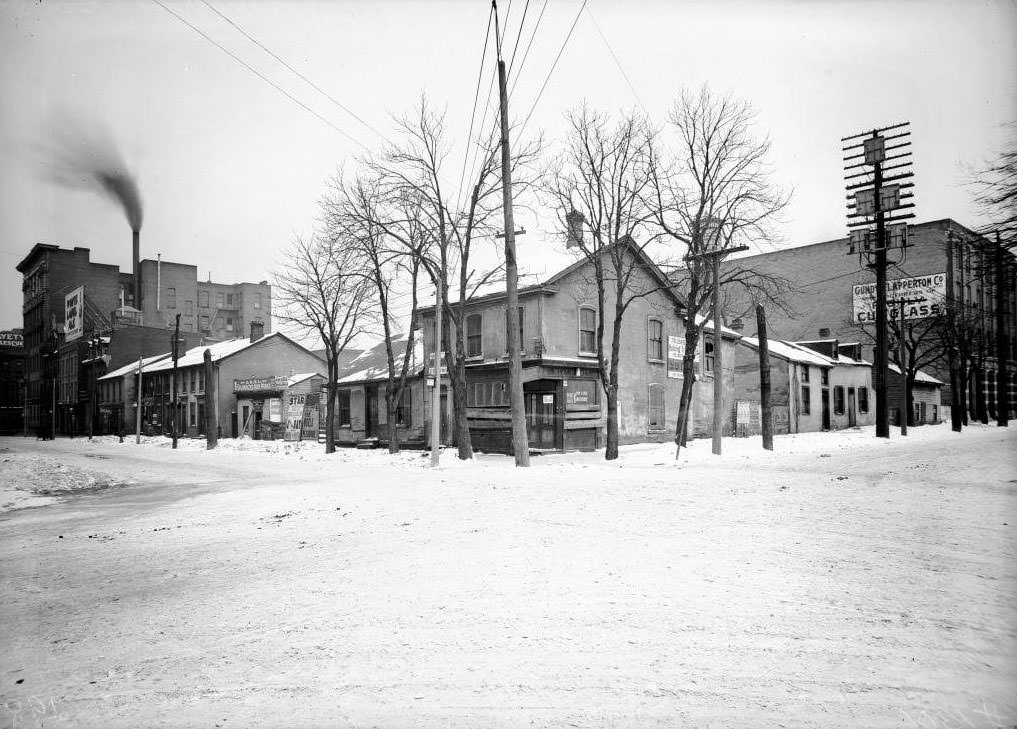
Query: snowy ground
[[841, 581]]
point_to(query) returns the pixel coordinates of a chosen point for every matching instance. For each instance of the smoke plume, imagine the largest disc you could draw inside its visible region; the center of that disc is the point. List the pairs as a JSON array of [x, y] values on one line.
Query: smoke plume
[[82, 156]]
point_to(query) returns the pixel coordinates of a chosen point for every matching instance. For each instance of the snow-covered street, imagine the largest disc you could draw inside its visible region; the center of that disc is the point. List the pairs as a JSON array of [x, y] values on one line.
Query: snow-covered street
[[838, 582]]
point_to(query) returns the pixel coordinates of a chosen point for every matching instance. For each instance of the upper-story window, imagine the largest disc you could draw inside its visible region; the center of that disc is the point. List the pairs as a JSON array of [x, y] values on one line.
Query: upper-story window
[[218, 299], [655, 407], [474, 335], [203, 299], [229, 299], [708, 356], [171, 298], [257, 301], [587, 330], [805, 373], [825, 377], [655, 340]]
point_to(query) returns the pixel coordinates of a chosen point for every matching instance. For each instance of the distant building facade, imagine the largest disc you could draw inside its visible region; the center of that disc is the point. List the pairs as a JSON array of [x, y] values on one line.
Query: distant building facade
[[72, 306], [947, 266], [12, 381]]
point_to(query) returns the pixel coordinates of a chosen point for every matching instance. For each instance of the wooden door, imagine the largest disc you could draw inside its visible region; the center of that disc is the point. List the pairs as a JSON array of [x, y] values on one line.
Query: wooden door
[[541, 428]]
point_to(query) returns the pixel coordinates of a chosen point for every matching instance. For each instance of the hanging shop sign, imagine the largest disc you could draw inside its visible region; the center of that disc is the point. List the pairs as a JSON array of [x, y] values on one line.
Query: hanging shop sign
[[260, 384], [925, 296]]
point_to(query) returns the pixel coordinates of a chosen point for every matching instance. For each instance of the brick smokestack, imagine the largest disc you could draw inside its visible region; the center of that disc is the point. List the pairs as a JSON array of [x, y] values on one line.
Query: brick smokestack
[[136, 262], [257, 330]]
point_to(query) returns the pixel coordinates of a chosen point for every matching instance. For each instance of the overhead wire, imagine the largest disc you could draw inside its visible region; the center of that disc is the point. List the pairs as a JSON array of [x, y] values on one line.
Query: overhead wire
[[294, 71], [526, 54], [589, 14], [476, 97], [257, 73]]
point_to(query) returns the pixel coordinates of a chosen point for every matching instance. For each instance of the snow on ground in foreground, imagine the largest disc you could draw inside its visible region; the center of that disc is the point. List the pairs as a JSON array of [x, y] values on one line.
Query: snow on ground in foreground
[[840, 581]]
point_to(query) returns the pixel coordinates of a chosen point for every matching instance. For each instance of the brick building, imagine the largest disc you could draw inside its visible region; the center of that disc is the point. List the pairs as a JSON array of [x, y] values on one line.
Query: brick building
[[61, 367], [12, 381], [958, 263]]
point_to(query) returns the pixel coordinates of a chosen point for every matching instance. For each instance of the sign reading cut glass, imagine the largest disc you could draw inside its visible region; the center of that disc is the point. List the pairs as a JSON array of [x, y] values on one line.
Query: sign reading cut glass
[[927, 295]]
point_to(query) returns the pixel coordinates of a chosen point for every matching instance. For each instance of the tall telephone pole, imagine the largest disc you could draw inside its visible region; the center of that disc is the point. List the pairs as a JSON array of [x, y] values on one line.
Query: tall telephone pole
[[874, 201], [520, 442], [173, 398]]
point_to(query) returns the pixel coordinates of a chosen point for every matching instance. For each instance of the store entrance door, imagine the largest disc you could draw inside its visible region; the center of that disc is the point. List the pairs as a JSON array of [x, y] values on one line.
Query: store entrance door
[[541, 406]]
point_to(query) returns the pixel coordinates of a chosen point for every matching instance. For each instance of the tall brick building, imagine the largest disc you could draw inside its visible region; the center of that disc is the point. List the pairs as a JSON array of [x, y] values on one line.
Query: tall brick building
[[56, 370], [825, 276]]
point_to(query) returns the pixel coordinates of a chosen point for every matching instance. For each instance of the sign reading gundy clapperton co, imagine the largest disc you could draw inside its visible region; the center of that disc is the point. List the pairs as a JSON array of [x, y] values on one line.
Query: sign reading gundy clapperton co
[[925, 296], [260, 384]]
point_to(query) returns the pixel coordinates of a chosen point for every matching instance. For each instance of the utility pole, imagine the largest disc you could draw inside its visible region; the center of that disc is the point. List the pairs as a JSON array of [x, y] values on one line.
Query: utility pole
[[137, 436], [870, 201], [764, 378], [520, 442], [436, 390], [1002, 375], [211, 404], [173, 398]]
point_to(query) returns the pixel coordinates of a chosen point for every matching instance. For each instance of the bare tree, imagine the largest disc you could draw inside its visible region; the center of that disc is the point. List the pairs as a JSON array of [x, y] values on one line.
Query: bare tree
[[391, 261], [713, 192], [415, 171], [322, 289], [602, 178]]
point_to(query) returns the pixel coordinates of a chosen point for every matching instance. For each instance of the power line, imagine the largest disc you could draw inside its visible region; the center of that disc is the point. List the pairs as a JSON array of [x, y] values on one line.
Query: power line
[[295, 71], [553, 66], [526, 55], [589, 14], [476, 96], [519, 33], [258, 73]]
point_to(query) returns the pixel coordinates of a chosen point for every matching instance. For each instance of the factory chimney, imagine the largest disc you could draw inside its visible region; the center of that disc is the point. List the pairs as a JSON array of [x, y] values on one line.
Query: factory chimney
[[136, 261]]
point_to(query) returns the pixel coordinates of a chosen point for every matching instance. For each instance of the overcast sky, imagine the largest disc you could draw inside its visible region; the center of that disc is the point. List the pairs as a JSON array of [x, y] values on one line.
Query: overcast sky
[[230, 169]]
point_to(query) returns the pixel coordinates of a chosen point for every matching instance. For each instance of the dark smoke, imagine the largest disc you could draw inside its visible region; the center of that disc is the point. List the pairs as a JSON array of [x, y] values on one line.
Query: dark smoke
[[82, 156]]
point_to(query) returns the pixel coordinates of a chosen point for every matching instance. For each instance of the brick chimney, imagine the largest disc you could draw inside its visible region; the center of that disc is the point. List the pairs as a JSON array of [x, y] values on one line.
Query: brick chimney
[[257, 330]]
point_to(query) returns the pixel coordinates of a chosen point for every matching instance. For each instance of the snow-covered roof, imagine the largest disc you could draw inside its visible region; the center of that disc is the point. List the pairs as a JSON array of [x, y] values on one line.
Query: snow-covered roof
[[792, 352], [130, 369], [705, 323], [294, 379], [372, 363], [919, 377], [196, 355]]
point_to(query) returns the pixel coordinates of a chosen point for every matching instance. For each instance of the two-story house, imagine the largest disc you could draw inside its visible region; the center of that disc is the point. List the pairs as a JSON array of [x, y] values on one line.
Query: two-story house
[[564, 399]]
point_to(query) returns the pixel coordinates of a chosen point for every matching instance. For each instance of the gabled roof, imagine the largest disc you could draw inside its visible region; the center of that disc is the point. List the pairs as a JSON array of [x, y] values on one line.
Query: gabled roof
[[372, 364], [792, 352], [919, 376], [220, 351], [132, 368], [294, 379]]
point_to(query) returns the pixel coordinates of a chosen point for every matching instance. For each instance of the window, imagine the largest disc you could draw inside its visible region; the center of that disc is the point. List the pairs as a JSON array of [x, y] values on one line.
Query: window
[[474, 335], [183, 382], [194, 380], [708, 359], [343, 408], [194, 414], [229, 300], [203, 299], [204, 322], [838, 400], [171, 298], [655, 340], [257, 301], [582, 395], [188, 307], [201, 380], [806, 408], [404, 410], [218, 299], [824, 377], [487, 394], [863, 399], [229, 323], [522, 342], [656, 407], [805, 373], [588, 330]]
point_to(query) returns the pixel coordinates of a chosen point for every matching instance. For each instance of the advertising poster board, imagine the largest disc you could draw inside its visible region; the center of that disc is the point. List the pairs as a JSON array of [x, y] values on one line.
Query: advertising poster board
[[74, 314], [926, 296]]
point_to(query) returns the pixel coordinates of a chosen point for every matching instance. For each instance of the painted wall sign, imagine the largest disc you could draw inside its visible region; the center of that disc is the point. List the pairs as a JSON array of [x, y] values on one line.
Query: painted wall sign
[[12, 340], [260, 384], [74, 314], [675, 353], [928, 294]]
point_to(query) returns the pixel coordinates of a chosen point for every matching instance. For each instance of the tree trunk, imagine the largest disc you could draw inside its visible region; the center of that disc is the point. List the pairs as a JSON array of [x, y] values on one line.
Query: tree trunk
[[956, 417], [393, 433], [611, 450], [457, 379], [981, 406], [331, 393], [909, 399], [688, 384]]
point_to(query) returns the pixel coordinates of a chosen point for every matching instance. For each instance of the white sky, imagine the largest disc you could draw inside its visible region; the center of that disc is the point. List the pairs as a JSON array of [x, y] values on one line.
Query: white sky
[[230, 170]]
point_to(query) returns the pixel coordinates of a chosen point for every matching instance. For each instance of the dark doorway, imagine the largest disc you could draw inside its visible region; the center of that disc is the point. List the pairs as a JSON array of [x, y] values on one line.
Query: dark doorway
[[371, 411], [826, 408], [852, 419], [542, 418]]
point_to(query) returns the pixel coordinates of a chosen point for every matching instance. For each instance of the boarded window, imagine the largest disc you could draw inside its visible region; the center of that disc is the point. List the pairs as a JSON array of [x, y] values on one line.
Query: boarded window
[[474, 335], [656, 407], [587, 330], [806, 408], [655, 340]]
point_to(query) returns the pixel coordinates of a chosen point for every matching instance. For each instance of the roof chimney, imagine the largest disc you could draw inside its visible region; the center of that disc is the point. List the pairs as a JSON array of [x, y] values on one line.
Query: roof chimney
[[737, 324], [257, 330], [824, 333]]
